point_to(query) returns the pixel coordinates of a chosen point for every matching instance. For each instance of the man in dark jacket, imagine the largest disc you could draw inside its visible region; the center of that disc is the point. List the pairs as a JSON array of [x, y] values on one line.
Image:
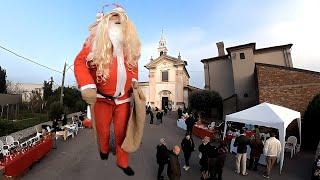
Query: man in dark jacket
[[212, 159], [173, 169], [159, 116], [190, 122], [179, 112], [162, 157], [151, 116], [204, 150], [187, 146], [241, 143], [222, 154], [256, 150]]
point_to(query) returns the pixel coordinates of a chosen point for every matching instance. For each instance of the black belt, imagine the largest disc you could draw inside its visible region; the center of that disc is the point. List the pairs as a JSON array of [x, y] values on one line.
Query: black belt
[[106, 96], [111, 97]]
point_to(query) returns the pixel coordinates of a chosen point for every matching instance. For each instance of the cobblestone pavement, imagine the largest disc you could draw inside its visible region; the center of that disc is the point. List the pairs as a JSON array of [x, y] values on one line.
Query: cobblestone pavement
[[78, 159]]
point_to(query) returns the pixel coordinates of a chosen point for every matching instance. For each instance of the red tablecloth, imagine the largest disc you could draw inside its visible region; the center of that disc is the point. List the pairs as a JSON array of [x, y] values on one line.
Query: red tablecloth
[[21, 162], [201, 133], [249, 134]]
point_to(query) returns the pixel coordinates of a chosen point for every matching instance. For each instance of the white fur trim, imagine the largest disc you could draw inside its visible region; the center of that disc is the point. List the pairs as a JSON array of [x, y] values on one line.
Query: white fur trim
[[121, 76], [100, 96], [88, 86], [123, 101], [134, 80]]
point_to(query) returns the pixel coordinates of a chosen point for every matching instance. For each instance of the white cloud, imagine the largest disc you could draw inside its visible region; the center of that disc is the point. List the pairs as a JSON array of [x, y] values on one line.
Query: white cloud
[[303, 32]]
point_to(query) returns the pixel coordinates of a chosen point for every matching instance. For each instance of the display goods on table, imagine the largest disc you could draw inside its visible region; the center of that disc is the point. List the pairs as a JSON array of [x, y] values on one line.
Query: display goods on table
[[21, 159]]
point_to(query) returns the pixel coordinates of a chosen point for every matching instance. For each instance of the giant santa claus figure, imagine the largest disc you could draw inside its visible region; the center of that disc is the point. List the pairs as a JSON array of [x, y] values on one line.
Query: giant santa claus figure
[[105, 70]]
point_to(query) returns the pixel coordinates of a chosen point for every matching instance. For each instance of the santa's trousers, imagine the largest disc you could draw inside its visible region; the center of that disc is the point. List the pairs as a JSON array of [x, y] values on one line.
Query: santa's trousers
[[106, 111]]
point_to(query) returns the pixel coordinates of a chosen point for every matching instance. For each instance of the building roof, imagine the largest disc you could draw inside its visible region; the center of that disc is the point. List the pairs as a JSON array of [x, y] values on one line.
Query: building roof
[[176, 61], [262, 50], [215, 58], [288, 68], [244, 46], [192, 88]]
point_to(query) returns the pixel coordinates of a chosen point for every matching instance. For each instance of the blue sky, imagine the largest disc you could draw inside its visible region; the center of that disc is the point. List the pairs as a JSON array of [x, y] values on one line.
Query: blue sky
[[52, 32]]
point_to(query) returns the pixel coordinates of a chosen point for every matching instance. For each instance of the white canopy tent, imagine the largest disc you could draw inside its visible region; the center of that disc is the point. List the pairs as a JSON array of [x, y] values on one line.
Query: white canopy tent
[[268, 115]]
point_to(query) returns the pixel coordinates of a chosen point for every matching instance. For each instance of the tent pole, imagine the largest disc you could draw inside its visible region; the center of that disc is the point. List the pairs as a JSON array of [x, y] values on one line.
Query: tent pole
[[225, 129]]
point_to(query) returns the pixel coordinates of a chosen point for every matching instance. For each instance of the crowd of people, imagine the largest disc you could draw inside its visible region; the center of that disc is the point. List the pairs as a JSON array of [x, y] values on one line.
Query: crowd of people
[[213, 152], [212, 157], [158, 112], [271, 149]]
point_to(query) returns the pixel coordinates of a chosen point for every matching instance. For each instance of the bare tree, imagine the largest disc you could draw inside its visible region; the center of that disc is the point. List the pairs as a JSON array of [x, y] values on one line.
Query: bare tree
[[14, 88]]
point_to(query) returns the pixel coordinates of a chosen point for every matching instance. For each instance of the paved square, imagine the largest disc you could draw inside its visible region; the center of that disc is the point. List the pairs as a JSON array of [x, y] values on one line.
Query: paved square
[[78, 159]]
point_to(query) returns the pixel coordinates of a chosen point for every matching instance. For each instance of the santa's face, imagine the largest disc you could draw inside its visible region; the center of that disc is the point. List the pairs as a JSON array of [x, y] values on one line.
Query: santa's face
[[115, 30]]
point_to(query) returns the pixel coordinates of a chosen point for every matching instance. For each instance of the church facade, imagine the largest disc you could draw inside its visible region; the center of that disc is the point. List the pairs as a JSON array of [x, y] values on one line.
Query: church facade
[[168, 83]]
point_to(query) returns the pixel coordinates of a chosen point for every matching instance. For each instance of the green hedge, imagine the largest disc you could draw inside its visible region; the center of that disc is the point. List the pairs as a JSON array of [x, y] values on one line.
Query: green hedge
[[311, 124], [204, 101], [8, 127]]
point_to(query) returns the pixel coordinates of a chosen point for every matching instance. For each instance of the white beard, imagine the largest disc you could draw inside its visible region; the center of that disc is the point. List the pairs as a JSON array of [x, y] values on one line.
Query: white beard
[[116, 36]]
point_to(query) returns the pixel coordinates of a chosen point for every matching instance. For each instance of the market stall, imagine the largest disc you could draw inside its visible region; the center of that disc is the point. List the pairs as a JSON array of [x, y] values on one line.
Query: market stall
[[18, 162], [268, 115]]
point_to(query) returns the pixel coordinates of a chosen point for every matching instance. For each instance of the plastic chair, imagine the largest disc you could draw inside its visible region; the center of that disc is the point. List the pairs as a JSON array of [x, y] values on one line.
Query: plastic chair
[[49, 129], [212, 125], [291, 145], [4, 149], [11, 142]]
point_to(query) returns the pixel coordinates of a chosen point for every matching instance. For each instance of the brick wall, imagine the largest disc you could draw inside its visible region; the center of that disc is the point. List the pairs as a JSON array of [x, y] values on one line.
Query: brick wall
[[289, 87]]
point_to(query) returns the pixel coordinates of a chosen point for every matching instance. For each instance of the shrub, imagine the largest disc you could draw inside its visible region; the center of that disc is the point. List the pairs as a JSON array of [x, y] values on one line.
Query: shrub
[[311, 123], [8, 127], [206, 101], [55, 110]]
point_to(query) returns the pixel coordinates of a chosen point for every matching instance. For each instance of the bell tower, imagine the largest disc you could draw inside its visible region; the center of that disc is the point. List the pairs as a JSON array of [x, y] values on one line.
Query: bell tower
[[162, 49]]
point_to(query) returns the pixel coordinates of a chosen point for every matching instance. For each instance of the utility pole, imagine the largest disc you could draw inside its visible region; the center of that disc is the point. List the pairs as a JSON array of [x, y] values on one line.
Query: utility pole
[[62, 85]]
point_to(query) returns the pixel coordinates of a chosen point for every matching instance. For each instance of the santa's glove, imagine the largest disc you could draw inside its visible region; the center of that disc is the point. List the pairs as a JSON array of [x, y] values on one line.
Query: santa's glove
[[89, 95]]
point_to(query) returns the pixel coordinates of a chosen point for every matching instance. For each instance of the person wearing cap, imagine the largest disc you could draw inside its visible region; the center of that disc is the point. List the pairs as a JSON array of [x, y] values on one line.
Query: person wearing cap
[[162, 157], [173, 170], [106, 70]]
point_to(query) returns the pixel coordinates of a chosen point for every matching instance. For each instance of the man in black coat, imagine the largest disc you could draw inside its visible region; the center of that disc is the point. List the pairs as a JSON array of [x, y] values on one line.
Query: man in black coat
[[173, 170], [212, 159], [190, 122], [179, 112], [241, 143], [204, 150], [159, 116], [151, 116], [162, 157], [187, 146]]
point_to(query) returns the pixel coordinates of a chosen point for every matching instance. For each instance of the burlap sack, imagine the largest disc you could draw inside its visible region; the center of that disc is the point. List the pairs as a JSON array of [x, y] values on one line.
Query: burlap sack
[[136, 121]]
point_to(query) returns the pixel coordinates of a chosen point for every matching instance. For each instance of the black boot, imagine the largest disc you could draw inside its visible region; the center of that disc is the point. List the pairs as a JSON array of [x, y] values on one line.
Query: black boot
[[104, 156], [128, 171]]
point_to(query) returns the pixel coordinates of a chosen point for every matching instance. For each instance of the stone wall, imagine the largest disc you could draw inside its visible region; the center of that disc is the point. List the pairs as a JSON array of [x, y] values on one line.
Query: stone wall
[[289, 87]]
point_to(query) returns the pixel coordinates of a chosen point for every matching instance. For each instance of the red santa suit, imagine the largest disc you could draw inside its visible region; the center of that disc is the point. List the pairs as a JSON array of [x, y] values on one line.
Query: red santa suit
[[119, 86]]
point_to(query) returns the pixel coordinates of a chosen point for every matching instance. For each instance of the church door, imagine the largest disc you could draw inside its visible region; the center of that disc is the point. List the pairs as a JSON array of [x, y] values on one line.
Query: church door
[[165, 102]]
